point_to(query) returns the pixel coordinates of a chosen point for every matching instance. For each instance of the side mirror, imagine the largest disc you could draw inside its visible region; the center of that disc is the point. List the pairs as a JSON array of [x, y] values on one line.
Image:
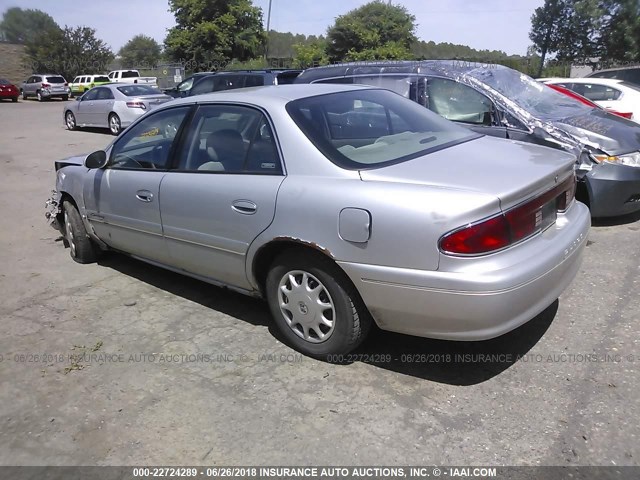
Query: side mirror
[[97, 159]]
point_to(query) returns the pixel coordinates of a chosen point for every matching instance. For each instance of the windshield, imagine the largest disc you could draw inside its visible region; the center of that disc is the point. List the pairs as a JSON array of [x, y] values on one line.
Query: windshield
[[363, 129], [538, 99], [138, 90], [130, 74], [55, 80]]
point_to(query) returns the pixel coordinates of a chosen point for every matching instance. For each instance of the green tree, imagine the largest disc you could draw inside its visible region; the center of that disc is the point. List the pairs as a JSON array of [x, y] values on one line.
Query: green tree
[[22, 26], [208, 34], [375, 30], [548, 28], [69, 52], [620, 31], [140, 52], [309, 55]]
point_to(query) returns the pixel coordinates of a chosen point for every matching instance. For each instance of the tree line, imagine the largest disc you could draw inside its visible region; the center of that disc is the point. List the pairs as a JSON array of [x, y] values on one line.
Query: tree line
[[223, 34]]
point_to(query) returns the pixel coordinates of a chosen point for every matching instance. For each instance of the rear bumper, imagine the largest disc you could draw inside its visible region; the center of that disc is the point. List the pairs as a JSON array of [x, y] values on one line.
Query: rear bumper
[[9, 94], [613, 189], [477, 299]]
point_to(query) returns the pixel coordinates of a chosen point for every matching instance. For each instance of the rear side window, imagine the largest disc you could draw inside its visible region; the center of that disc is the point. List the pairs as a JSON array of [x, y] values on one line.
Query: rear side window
[[230, 139], [254, 81], [101, 79], [56, 79], [596, 93], [129, 74], [286, 78], [137, 90]]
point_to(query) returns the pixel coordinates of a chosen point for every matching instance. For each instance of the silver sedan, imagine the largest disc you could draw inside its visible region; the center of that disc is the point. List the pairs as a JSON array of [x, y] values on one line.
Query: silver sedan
[[340, 205], [113, 106]]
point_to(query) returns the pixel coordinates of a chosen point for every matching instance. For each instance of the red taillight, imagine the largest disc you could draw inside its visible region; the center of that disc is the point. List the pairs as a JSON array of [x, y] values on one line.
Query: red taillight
[[45, 85], [66, 84], [136, 105], [512, 226]]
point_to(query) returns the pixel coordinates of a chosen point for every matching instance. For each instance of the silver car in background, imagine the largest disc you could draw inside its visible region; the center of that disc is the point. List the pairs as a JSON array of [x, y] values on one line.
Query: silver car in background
[[45, 86], [340, 205], [114, 106]]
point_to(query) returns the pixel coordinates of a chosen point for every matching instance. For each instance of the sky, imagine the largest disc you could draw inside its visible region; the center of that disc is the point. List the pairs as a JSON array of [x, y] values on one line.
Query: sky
[[487, 24]]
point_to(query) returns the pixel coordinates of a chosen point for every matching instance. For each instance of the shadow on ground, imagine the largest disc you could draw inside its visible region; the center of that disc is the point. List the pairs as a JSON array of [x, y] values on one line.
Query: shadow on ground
[[454, 363]]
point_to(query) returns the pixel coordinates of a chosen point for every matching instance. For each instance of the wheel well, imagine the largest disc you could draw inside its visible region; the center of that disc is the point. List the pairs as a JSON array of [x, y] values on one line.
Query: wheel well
[[268, 253], [65, 196]]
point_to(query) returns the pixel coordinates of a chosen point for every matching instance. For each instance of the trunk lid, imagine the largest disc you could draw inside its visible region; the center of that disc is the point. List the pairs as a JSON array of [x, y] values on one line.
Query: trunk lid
[[152, 101], [510, 170]]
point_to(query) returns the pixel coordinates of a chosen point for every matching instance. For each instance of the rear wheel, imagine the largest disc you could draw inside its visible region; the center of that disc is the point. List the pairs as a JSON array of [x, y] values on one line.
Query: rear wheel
[[114, 124], [315, 306], [70, 120], [14, 99], [65, 97], [81, 247], [39, 96]]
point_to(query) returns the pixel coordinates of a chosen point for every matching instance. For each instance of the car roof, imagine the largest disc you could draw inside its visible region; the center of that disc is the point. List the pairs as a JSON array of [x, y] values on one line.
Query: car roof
[[616, 69], [267, 93], [443, 68]]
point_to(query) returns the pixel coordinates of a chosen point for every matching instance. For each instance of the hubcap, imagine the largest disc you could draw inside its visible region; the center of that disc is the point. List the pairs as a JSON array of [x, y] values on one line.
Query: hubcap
[[70, 237], [306, 306], [115, 125], [70, 121]]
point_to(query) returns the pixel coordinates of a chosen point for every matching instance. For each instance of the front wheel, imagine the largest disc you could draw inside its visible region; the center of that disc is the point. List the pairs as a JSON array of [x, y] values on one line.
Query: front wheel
[[114, 124], [70, 120], [315, 306], [81, 247], [24, 95]]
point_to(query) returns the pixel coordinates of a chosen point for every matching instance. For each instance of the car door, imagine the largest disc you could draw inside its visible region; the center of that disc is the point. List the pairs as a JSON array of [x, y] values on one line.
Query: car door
[[86, 112], [33, 85], [222, 193], [122, 200], [103, 105], [462, 104]]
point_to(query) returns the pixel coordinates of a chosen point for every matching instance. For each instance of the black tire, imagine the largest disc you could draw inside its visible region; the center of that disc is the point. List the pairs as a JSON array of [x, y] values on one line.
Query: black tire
[[65, 98], [70, 120], [39, 96], [24, 95], [115, 127], [14, 99], [351, 320], [82, 249]]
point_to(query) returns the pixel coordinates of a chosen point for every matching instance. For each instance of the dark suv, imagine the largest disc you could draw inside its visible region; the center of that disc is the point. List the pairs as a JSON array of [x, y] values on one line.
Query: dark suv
[[217, 82], [628, 74]]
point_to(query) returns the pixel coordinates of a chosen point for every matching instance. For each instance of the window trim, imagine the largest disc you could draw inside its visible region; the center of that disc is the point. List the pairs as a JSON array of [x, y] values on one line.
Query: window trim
[[173, 166]]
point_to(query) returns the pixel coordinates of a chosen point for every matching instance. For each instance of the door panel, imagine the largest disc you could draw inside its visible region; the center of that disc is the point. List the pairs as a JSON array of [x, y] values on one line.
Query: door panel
[[120, 218], [209, 220]]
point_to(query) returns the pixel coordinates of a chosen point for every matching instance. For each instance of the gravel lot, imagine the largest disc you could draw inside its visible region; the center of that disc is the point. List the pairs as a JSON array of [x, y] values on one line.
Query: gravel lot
[[570, 400]]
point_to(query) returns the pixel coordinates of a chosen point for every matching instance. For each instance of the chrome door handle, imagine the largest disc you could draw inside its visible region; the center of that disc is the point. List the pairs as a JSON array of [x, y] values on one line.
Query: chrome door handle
[[144, 196], [246, 207]]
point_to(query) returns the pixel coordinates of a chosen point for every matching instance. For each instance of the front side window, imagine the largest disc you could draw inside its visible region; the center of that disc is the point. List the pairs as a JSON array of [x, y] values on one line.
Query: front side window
[[90, 95], [147, 144], [230, 139], [457, 102], [205, 85], [373, 128]]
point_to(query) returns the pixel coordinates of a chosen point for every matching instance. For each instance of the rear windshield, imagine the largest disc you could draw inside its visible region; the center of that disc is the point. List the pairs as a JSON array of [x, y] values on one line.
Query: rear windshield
[[130, 74], [285, 78], [101, 79], [55, 79], [365, 129], [4, 81], [630, 85], [138, 90]]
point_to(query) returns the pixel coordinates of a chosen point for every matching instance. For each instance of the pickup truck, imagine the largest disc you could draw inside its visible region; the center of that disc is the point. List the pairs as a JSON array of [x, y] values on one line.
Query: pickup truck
[[131, 76]]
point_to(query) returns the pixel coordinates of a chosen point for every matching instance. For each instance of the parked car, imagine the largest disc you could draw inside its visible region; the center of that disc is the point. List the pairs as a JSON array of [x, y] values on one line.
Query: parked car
[[502, 102], [131, 76], [338, 204], [45, 87], [217, 82], [112, 106], [82, 83], [628, 74], [564, 90], [184, 87], [608, 93], [8, 90]]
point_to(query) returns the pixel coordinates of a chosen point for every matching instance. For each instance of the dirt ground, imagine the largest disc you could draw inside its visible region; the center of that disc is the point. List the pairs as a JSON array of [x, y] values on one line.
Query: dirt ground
[[121, 363]]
